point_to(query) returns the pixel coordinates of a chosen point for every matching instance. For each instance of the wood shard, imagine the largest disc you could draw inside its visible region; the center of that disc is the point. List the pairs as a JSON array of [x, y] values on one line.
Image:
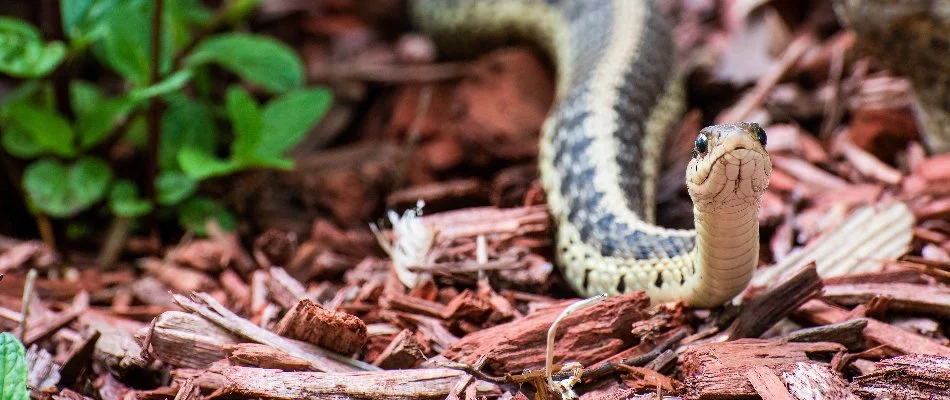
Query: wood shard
[[718, 370], [403, 352], [245, 382], [918, 299], [914, 376], [822, 313], [263, 356], [816, 381], [187, 340], [767, 384], [333, 330], [849, 333], [586, 336], [761, 313]]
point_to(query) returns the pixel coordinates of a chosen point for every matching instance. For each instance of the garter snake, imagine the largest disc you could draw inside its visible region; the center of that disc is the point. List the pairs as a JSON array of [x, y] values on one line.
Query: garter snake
[[617, 95]]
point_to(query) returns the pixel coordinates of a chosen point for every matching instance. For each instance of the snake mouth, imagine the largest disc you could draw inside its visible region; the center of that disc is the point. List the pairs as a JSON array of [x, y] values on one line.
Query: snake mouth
[[715, 163]]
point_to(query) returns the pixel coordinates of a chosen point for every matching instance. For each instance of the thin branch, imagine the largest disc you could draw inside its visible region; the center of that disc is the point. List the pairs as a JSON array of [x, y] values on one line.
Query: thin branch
[[27, 297]]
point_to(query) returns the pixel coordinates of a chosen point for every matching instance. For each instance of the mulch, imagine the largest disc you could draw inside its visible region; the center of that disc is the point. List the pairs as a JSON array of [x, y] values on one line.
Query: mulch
[[306, 300]]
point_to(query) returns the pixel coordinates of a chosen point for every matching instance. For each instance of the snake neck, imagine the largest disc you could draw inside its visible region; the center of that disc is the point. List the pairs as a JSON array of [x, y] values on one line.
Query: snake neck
[[726, 253]]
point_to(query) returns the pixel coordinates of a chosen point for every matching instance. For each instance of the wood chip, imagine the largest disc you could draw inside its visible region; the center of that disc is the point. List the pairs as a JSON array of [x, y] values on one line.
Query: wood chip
[[186, 340], [586, 336], [403, 352], [902, 297], [767, 384], [332, 330], [263, 356], [907, 377], [718, 370], [273, 384], [822, 313]]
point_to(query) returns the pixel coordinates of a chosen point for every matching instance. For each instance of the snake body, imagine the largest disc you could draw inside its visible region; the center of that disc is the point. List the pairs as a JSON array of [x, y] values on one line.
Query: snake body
[[617, 95]]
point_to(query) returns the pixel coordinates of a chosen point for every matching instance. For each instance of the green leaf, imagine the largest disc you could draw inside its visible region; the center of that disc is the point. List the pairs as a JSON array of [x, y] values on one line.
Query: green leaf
[[181, 15], [287, 119], [84, 21], [246, 118], [199, 165], [63, 191], [124, 200], [83, 97], [19, 143], [186, 123], [195, 214], [23, 53], [48, 130], [13, 372], [172, 83], [95, 126], [173, 187], [96, 114], [24, 93], [136, 132], [125, 45], [237, 10], [264, 61], [268, 162]]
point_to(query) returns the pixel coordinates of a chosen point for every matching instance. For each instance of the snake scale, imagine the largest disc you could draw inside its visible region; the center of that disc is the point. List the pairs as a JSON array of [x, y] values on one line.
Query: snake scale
[[617, 95]]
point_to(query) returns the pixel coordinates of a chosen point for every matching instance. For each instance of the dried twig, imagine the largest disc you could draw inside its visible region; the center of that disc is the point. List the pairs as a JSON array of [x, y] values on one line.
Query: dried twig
[[323, 360], [26, 301]]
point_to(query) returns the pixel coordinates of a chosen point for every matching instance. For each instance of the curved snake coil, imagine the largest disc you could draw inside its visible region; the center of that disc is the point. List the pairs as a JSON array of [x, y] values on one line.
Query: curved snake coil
[[617, 95]]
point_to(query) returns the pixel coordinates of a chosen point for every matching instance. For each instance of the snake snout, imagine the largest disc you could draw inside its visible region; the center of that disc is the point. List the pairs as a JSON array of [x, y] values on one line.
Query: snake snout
[[735, 170]]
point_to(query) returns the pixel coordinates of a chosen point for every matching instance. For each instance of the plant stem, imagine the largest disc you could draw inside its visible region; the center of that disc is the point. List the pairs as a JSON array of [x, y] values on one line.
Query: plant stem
[[52, 27], [154, 105], [115, 241], [46, 231]]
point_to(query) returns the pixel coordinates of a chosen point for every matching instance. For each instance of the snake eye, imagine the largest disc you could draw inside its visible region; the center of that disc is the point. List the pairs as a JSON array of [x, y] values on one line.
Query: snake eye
[[760, 134], [702, 144]]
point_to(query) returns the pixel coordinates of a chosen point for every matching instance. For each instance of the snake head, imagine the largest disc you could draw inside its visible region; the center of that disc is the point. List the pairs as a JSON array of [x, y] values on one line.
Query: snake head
[[730, 167]]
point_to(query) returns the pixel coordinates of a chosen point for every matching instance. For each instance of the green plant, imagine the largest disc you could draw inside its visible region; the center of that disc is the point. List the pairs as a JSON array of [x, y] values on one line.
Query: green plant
[[166, 80], [12, 368]]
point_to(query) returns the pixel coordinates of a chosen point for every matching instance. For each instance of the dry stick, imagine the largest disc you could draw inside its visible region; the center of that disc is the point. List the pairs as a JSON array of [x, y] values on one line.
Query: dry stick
[[849, 333], [758, 315], [661, 361], [25, 307], [606, 368], [549, 350], [913, 298]]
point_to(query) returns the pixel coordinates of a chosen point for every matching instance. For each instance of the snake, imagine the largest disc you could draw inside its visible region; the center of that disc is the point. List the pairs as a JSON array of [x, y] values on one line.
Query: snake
[[618, 92]]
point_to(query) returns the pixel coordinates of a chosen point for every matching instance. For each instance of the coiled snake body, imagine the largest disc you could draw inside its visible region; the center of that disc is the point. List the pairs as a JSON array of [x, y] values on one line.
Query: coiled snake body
[[617, 95]]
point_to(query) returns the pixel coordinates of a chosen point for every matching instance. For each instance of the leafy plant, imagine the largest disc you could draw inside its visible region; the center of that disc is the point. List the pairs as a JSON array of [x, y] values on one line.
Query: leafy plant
[[67, 173], [13, 372]]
